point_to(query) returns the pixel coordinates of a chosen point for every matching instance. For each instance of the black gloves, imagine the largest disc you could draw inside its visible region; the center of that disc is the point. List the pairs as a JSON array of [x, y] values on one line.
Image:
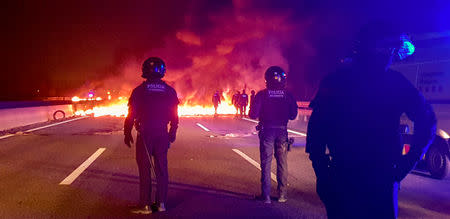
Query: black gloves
[[172, 136], [321, 166], [324, 188], [173, 132], [404, 166], [128, 140]]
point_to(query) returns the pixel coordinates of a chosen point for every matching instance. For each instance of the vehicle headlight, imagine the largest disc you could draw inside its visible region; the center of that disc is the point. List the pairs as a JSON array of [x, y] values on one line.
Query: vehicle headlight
[[443, 134]]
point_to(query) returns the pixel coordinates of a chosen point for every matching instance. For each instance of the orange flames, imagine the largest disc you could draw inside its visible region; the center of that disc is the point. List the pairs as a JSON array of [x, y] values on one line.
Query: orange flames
[[120, 108], [193, 110], [230, 54], [117, 109]]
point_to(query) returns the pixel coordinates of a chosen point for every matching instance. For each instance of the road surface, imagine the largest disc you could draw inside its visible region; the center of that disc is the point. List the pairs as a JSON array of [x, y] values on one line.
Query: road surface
[[81, 168]]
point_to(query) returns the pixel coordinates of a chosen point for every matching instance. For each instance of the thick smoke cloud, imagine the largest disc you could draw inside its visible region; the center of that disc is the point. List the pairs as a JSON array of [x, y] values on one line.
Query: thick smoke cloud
[[66, 48], [230, 53]]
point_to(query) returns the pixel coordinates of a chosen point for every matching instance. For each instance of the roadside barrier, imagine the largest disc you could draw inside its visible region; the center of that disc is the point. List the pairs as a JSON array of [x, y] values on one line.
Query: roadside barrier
[[16, 117]]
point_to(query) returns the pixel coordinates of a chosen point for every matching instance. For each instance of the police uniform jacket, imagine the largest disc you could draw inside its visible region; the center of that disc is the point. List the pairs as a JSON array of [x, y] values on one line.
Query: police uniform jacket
[[152, 105], [273, 107]]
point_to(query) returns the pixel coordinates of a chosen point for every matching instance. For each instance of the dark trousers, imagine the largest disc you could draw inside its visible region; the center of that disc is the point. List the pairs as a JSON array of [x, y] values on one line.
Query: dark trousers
[[273, 139], [353, 196], [155, 147], [216, 105], [243, 110]]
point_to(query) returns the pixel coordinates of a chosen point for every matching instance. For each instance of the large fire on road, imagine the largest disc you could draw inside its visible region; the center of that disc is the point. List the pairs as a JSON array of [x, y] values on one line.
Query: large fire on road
[[228, 55], [119, 108]]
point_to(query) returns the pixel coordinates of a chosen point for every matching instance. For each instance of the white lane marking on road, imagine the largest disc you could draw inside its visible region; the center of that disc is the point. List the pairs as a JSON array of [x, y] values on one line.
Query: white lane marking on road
[[295, 132], [203, 127], [55, 124], [6, 136], [251, 120], [254, 163], [43, 127], [289, 130], [77, 172]]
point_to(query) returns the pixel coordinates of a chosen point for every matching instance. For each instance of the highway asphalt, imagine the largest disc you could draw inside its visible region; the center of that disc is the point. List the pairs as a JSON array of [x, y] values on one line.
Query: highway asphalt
[[81, 169]]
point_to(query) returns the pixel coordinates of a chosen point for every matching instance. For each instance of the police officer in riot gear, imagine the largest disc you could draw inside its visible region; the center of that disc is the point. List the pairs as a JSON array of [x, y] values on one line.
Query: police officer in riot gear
[[356, 114], [151, 107], [274, 106]]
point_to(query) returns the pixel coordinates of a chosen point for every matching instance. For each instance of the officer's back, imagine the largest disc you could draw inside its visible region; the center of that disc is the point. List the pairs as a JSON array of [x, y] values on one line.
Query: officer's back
[[363, 108], [356, 115], [274, 107], [152, 99]]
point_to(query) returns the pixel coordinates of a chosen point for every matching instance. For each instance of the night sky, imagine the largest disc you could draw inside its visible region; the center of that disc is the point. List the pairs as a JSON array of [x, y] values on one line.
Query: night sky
[[65, 48]]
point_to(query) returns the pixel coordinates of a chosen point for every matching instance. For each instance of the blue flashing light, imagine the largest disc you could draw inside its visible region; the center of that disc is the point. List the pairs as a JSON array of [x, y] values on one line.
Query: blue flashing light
[[159, 69], [407, 47]]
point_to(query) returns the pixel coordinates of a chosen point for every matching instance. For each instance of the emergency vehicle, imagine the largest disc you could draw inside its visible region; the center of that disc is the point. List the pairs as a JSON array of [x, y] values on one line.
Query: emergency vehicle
[[429, 70]]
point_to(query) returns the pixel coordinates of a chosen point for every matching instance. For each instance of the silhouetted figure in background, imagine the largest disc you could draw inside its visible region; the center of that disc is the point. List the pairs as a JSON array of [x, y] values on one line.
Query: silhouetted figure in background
[[243, 102], [252, 97], [235, 101], [216, 101], [151, 107], [274, 107], [356, 115]]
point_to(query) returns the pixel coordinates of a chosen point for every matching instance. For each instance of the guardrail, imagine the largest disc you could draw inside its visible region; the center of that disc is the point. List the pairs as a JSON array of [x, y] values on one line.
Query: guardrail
[[16, 114], [304, 112]]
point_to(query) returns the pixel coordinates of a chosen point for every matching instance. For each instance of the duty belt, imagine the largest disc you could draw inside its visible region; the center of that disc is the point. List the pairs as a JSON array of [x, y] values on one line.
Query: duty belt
[[260, 127], [274, 126]]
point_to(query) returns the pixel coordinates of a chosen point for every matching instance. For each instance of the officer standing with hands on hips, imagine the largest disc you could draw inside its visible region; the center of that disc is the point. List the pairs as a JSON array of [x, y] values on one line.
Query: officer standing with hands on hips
[[151, 107], [274, 107]]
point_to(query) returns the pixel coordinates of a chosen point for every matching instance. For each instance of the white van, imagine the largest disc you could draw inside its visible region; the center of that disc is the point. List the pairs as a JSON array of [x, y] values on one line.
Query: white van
[[429, 70]]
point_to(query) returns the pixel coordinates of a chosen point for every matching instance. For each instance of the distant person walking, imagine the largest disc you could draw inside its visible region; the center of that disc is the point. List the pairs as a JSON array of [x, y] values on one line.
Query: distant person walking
[[252, 97], [216, 101], [243, 102], [235, 101]]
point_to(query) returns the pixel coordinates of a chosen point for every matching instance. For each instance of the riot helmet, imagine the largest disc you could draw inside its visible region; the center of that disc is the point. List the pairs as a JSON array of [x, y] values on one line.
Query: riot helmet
[[275, 77], [382, 43], [153, 68]]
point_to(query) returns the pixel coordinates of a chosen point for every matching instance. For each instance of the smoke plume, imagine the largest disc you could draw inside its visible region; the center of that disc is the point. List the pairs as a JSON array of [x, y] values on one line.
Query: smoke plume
[[231, 52]]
